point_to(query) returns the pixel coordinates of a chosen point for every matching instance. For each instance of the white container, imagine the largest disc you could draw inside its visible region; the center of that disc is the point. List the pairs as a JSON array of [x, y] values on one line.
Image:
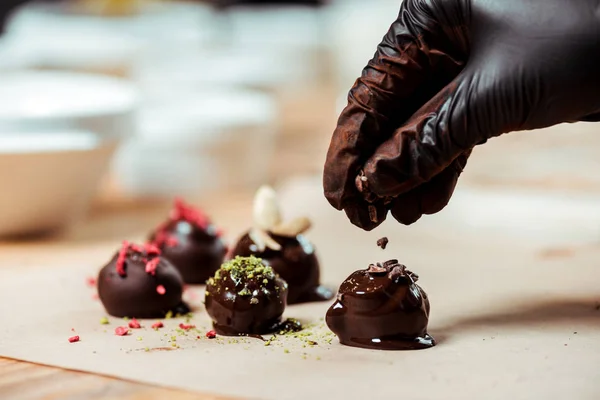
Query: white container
[[58, 132], [196, 143], [47, 179]]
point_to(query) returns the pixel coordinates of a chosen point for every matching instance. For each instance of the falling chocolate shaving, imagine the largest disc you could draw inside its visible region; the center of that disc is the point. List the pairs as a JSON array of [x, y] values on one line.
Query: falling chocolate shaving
[[383, 242], [391, 263]]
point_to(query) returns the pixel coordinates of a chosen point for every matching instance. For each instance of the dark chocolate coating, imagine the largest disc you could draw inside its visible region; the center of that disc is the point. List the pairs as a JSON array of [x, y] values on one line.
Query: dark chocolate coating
[[246, 304], [296, 263], [381, 310], [135, 295], [196, 252]]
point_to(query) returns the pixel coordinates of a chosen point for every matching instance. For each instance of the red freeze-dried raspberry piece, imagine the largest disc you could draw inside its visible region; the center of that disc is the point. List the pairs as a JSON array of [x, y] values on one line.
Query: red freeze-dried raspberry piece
[[90, 281], [186, 212], [151, 249], [163, 238], [186, 327], [211, 334], [121, 331], [120, 265], [171, 241], [157, 325], [160, 289], [152, 265], [134, 324], [74, 339]]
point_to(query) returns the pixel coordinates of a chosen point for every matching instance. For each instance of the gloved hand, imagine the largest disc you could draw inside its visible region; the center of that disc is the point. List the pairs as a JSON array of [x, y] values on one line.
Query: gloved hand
[[449, 75]]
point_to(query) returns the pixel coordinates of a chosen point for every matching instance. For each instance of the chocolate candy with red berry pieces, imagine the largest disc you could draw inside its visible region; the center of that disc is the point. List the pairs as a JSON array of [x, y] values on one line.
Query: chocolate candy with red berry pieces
[[138, 282], [190, 241]]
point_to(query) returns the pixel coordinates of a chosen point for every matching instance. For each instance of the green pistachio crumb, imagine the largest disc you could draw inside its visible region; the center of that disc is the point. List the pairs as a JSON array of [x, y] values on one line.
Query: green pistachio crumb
[[254, 300], [265, 281], [147, 349], [173, 338], [139, 338], [245, 292], [286, 351], [104, 321], [318, 358], [125, 318], [169, 315]]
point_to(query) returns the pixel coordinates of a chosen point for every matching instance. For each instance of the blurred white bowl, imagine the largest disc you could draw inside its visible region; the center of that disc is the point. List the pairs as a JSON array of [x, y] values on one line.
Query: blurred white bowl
[[47, 179], [49, 101]]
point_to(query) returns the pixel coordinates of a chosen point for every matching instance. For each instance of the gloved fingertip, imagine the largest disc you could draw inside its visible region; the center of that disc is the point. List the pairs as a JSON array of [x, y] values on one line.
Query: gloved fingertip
[[406, 209], [334, 198], [436, 194], [366, 216]]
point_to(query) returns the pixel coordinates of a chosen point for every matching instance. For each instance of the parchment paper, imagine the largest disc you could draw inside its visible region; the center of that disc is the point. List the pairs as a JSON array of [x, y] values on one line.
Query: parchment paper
[[514, 318]]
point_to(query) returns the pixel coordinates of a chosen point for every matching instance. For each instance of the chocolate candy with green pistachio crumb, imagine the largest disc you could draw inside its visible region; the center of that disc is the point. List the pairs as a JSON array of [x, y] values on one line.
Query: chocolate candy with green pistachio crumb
[[296, 263], [245, 296]]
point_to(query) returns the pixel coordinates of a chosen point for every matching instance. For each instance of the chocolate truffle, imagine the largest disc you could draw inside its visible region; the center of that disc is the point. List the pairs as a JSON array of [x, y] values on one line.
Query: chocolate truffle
[[191, 243], [245, 297], [138, 283], [282, 245], [381, 308]]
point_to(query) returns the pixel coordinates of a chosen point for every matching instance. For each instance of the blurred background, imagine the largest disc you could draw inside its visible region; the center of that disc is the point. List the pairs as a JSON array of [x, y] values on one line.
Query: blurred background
[[113, 107]]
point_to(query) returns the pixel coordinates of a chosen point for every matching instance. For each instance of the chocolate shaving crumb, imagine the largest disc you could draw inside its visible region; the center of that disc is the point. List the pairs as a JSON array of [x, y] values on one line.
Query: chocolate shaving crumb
[[397, 272], [383, 242], [377, 269], [360, 183], [390, 263], [373, 213]]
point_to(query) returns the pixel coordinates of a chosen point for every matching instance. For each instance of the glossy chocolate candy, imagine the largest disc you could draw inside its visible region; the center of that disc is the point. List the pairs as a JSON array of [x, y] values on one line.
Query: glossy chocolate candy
[[191, 243], [245, 297], [381, 308], [138, 282], [296, 263]]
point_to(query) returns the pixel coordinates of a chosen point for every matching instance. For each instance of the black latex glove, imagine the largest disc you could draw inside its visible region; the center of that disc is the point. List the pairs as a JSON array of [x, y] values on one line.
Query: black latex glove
[[449, 75]]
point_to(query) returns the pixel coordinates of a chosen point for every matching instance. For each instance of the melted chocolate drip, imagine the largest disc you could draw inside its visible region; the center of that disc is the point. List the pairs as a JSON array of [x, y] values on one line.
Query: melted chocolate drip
[[242, 303], [296, 263], [196, 252], [135, 293], [381, 308]]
